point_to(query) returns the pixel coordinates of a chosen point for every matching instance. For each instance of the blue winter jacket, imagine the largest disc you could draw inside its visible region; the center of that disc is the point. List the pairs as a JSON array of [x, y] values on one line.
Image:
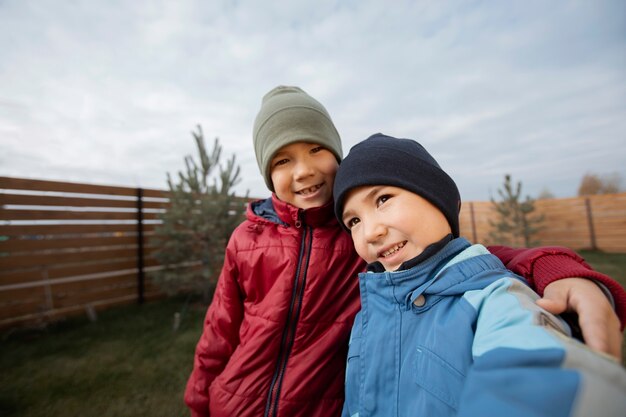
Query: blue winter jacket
[[460, 335]]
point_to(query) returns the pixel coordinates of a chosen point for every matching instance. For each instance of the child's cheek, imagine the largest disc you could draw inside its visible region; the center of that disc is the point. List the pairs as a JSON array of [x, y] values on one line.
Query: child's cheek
[[360, 247]]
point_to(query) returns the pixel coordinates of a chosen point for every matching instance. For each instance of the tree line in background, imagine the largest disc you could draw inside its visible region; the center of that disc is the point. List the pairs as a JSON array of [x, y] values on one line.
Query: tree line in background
[[204, 211], [592, 184], [595, 184]]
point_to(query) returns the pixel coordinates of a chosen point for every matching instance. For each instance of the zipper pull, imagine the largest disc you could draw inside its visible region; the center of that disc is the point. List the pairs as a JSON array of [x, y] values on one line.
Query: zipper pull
[[298, 222]]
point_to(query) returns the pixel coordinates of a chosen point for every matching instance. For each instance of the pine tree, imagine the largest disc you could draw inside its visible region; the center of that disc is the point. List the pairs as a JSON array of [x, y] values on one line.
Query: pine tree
[[195, 228], [516, 223]]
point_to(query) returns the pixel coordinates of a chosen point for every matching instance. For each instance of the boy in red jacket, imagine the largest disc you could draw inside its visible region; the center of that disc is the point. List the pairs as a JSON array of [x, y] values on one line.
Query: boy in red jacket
[[276, 334]]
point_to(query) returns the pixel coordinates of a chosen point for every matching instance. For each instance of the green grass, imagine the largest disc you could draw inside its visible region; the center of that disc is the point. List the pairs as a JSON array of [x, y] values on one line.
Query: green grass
[[612, 264], [128, 363]]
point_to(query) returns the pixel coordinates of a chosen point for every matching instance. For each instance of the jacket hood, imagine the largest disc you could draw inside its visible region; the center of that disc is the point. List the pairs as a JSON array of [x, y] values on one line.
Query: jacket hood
[[457, 268], [273, 210]]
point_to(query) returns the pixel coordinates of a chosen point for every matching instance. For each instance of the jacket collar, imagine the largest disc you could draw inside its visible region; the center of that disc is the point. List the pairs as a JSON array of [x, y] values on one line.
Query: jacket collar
[[273, 210], [430, 250], [455, 269]]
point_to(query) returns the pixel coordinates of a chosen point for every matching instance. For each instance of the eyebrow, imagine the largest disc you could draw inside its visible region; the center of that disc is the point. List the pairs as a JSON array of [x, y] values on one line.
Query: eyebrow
[[374, 191], [280, 154], [367, 196]]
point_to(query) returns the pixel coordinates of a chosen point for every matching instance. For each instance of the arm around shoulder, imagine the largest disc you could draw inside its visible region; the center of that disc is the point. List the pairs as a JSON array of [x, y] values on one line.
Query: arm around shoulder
[[544, 265]]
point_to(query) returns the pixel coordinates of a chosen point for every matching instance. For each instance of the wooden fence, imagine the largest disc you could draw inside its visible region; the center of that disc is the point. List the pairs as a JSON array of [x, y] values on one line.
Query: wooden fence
[[68, 248], [593, 222]]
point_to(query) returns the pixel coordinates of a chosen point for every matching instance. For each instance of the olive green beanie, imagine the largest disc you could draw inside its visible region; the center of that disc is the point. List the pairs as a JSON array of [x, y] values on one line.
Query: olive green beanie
[[289, 115]]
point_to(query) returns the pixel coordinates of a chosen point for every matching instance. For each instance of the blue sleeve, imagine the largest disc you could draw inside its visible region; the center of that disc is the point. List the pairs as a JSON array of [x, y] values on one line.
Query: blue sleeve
[[525, 363]]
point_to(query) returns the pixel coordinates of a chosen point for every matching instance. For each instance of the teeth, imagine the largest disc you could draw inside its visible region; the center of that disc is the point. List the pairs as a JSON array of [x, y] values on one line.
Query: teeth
[[393, 250], [310, 189]]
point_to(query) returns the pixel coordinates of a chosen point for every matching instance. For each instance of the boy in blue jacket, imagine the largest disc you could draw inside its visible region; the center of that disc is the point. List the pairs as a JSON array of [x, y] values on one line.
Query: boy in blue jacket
[[444, 328]]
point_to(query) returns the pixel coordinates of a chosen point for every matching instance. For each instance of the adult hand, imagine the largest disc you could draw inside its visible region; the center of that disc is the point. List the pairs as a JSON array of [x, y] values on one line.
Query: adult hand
[[597, 320]]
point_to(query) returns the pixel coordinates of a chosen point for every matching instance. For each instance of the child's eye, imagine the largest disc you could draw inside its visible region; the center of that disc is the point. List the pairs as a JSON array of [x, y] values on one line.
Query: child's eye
[[317, 149], [280, 162], [382, 199], [352, 222]]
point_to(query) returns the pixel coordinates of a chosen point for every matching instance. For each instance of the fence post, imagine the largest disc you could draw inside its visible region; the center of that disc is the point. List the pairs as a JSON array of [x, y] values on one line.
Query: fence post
[[592, 232], [140, 262], [474, 237]]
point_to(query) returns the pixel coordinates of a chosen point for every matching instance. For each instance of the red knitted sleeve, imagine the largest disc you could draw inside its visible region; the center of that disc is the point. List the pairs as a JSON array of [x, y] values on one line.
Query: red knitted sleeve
[[541, 266]]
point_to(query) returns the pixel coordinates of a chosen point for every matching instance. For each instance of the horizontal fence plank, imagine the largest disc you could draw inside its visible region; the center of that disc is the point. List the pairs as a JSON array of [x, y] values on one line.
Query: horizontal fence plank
[[8, 214], [30, 245], [47, 260], [81, 292], [95, 284], [22, 301], [37, 276], [9, 183], [47, 200], [70, 229], [41, 318], [29, 260]]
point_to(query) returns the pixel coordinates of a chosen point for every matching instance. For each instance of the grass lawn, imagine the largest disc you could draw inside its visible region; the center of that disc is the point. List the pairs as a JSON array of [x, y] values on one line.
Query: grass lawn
[[128, 363], [612, 264]]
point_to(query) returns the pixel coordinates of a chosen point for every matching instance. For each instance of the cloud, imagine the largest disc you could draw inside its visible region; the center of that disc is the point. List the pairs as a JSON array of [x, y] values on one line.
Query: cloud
[[109, 92]]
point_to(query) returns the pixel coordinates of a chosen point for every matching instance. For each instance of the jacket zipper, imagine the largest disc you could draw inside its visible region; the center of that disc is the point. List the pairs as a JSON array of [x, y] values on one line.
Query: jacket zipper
[[289, 331]]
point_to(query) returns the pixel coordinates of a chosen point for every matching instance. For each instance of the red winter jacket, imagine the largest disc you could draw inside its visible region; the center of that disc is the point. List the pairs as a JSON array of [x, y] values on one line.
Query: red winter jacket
[[276, 334]]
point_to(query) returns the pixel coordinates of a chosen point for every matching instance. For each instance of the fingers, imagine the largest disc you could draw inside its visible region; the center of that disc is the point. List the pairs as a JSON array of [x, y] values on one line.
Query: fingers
[[552, 306], [555, 298], [598, 322], [601, 332]]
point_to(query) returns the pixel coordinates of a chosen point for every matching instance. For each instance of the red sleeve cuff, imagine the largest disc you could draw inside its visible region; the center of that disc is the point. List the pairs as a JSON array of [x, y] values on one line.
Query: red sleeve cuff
[[543, 270]]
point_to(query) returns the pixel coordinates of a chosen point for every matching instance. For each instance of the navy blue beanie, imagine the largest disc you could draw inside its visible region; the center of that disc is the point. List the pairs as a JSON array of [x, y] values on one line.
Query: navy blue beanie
[[403, 163]]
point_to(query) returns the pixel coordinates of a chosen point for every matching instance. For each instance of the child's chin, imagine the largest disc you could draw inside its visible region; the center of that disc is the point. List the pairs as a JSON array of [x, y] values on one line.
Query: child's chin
[[391, 267], [309, 204]]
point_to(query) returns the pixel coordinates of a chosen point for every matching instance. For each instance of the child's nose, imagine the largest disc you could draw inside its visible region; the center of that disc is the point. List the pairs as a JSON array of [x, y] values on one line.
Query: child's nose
[[374, 231], [302, 170]]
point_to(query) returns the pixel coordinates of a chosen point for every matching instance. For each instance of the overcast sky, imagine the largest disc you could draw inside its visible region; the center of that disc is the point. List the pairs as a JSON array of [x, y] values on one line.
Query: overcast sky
[[108, 92]]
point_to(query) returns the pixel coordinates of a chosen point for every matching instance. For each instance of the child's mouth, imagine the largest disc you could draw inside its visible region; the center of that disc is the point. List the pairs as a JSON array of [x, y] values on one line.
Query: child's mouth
[[392, 250], [309, 190]]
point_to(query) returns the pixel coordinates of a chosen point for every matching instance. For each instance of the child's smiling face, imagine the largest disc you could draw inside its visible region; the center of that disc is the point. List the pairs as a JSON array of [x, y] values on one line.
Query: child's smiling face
[[303, 174], [391, 225]]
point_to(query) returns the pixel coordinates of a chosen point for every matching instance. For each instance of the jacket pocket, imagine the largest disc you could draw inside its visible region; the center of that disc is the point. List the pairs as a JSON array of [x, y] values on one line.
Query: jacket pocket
[[438, 377]]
